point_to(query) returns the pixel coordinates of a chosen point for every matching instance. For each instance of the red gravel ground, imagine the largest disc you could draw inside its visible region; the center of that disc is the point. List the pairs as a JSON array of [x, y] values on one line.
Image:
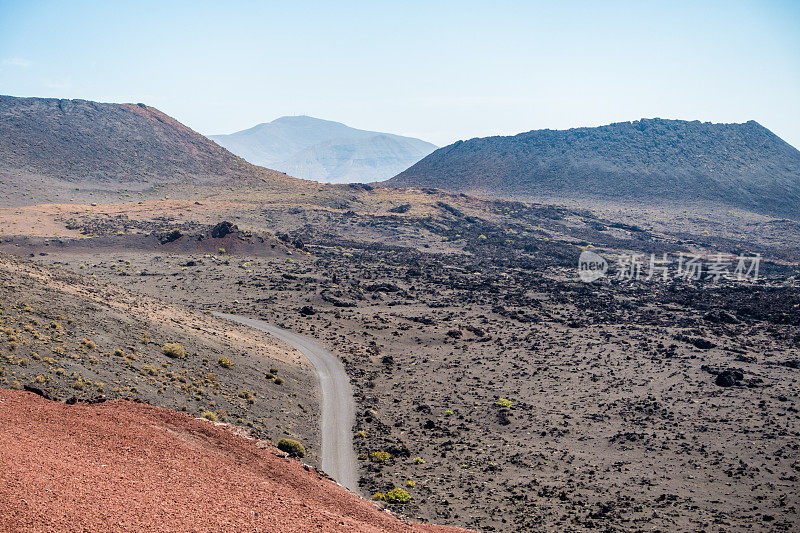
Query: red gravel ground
[[122, 466]]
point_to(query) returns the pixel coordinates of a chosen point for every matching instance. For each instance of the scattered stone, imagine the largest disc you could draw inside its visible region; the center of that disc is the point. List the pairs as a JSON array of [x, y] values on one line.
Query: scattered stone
[[729, 378], [170, 236], [36, 390], [223, 229]]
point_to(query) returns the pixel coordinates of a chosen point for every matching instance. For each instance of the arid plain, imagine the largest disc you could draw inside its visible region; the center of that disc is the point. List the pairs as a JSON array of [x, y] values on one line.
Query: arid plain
[[505, 393]]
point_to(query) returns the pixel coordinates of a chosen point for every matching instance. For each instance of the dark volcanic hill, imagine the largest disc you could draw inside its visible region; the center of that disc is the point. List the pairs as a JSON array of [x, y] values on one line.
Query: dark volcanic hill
[[90, 142], [653, 160]]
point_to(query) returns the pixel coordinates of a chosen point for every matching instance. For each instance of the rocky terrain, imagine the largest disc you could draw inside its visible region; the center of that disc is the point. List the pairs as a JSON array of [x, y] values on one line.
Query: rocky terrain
[[78, 340], [123, 466], [498, 390], [495, 390], [652, 161], [325, 151]]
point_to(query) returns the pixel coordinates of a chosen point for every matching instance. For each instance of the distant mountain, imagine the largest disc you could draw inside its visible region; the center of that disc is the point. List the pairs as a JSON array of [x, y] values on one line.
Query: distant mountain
[[651, 160], [90, 142], [325, 151]]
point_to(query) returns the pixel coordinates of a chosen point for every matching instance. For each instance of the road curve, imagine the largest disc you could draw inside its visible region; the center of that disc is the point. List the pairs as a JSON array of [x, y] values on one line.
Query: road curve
[[338, 406]]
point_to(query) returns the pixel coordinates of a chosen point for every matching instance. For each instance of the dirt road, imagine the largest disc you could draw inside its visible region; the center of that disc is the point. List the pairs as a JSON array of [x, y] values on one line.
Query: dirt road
[[338, 406]]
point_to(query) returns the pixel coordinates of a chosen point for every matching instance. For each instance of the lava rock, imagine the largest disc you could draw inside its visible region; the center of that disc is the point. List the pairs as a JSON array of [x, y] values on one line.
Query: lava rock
[[36, 390], [703, 344], [718, 316], [223, 228], [170, 236], [729, 378]]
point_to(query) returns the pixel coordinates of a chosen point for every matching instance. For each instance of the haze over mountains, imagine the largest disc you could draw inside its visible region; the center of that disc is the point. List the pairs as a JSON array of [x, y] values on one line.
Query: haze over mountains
[[326, 151], [651, 160], [51, 145]]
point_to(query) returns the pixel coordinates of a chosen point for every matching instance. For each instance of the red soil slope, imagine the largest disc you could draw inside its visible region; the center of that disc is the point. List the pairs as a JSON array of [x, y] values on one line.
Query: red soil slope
[[122, 466]]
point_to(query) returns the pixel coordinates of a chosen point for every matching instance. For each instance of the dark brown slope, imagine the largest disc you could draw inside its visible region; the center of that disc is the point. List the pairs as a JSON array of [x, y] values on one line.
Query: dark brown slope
[[82, 141], [122, 466], [742, 165]]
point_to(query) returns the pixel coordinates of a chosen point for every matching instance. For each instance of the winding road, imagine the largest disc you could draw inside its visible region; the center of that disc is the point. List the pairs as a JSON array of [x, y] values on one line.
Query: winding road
[[338, 406]]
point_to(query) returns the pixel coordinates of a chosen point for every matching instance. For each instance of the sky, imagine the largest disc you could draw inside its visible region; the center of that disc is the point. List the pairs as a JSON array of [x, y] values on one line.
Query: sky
[[437, 70]]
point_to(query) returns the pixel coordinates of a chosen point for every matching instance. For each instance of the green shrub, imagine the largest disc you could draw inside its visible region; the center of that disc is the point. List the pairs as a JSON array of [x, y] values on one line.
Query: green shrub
[[397, 496], [380, 457], [278, 381], [210, 415], [224, 362], [173, 350], [503, 403], [292, 447], [418, 461], [150, 370]]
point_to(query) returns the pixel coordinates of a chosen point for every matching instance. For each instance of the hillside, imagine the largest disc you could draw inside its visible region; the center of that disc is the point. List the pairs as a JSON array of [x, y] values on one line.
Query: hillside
[[48, 144], [325, 151], [123, 466], [651, 160], [71, 336]]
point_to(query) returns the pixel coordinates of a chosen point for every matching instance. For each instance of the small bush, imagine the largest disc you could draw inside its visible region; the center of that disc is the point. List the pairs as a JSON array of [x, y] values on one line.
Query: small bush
[[224, 362], [173, 350], [380, 457], [397, 496], [210, 415], [89, 344], [273, 371], [278, 381], [503, 403], [292, 447], [418, 461]]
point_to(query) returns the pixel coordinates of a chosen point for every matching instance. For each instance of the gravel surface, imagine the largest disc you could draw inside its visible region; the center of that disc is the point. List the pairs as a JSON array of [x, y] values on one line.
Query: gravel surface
[[338, 407], [123, 466]]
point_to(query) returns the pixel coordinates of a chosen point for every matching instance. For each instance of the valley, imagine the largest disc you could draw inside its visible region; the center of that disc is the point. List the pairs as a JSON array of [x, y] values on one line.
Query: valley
[[433, 348], [492, 385]]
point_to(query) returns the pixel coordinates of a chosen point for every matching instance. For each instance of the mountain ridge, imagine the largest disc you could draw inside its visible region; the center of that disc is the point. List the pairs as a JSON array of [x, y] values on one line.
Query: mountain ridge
[[744, 165], [325, 150], [51, 147]]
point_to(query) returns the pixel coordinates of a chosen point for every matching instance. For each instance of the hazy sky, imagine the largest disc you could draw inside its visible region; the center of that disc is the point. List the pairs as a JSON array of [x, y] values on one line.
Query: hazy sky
[[440, 71]]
